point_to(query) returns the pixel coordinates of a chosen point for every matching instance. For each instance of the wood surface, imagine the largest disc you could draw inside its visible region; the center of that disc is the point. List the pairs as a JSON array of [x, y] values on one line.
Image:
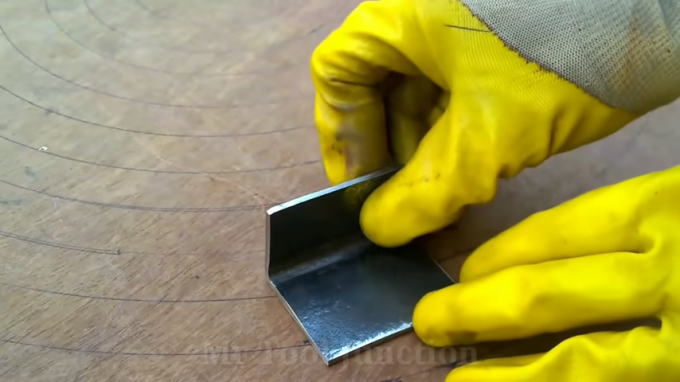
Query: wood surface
[[141, 142]]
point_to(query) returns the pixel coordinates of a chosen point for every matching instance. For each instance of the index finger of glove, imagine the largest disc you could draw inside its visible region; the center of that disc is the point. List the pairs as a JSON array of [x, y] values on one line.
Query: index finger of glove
[[600, 221], [376, 40], [590, 357], [550, 297]]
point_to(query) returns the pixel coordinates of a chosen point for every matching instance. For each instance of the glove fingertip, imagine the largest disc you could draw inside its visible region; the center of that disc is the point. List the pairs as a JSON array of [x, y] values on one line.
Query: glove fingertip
[[380, 218]]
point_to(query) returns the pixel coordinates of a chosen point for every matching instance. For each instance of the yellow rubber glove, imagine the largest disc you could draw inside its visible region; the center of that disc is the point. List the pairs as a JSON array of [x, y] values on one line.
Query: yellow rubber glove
[[428, 84], [608, 256]]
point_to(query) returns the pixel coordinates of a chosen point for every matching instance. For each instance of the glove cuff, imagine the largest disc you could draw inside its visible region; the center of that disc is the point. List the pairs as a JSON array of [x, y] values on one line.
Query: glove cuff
[[626, 53]]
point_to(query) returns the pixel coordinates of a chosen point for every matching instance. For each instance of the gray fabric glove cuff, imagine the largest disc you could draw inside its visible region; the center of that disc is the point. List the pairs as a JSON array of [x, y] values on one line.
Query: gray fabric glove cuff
[[624, 52]]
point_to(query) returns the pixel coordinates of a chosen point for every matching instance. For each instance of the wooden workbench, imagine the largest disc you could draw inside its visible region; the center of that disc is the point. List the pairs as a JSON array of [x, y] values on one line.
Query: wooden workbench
[[141, 142]]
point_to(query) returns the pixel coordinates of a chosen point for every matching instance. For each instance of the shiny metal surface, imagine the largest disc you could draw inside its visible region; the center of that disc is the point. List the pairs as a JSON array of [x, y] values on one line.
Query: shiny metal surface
[[346, 293]]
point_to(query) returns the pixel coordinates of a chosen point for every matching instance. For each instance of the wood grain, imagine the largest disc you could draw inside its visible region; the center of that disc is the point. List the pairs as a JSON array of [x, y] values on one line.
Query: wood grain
[[141, 142]]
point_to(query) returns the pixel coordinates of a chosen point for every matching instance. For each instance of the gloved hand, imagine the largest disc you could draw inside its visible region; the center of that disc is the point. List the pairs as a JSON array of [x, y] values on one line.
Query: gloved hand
[[466, 91], [610, 255]]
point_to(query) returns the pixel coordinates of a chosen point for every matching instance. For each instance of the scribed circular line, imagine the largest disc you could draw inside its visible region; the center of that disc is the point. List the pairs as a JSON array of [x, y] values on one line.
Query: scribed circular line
[[487, 354], [155, 301], [296, 165], [51, 111], [161, 15], [96, 16], [126, 36], [114, 252], [452, 365], [142, 67], [143, 208], [59, 245], [152, 11], [175, 20], [104, 251], [144, 102], [146, 354]]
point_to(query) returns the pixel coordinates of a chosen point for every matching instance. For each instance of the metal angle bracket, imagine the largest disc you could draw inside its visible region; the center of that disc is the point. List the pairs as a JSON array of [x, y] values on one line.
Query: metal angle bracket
[[346, 293]]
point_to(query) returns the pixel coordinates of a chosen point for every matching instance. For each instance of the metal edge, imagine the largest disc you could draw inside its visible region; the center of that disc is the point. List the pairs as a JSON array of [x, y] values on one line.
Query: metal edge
[[280, 297], [373, 344], [439, 265], [299, 324], [272, 210], [267, 245]]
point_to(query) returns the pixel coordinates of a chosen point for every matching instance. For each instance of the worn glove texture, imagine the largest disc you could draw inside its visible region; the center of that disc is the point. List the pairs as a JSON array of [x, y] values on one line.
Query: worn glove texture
[[610, 255], [463, 92]]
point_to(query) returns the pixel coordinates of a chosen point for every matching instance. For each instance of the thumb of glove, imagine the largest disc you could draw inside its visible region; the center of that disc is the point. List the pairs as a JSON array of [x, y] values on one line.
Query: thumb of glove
[[451, 167]]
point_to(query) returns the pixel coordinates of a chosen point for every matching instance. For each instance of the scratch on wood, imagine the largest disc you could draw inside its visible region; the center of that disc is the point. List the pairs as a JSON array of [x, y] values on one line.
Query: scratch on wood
[[30, 172], [12, 202], [261, 199]]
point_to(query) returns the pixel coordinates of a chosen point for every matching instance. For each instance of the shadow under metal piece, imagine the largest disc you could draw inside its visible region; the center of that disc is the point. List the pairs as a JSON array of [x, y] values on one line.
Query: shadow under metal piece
[[345, 292]]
